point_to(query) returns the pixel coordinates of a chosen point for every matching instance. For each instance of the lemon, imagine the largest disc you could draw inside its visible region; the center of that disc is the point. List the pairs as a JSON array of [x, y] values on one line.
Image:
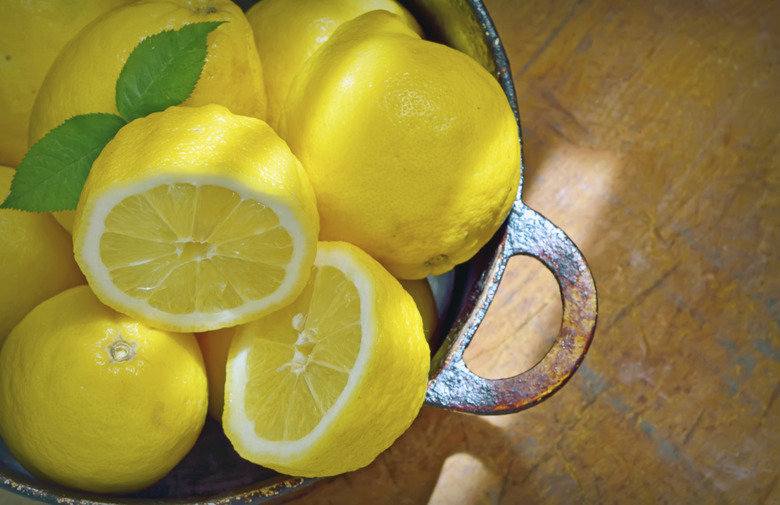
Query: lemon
[[214, 345], [83, 77], [287, 33], [411, 146], [194, 218], [65, 219], [94, 400], [324, 385], [31, 36], [36, 260], [423, 297]]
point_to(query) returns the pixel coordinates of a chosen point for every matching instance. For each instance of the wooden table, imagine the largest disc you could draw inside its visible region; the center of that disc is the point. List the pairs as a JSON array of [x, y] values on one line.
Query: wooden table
[[652, 138]]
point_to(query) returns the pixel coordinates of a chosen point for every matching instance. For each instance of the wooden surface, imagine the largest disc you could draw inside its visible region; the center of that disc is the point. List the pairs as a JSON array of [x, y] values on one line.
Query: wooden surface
[[651, 137]]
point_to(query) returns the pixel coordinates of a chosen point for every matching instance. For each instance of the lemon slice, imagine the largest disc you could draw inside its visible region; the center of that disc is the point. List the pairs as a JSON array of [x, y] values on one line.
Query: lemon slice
[[325, 384], [194, 219]]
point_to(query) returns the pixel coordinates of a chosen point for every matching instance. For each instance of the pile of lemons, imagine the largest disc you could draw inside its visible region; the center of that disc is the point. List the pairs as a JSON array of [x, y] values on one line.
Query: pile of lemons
[[243, 253]]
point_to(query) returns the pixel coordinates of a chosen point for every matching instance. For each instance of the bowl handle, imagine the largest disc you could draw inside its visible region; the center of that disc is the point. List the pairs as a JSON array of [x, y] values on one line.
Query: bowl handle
[[454, 387]]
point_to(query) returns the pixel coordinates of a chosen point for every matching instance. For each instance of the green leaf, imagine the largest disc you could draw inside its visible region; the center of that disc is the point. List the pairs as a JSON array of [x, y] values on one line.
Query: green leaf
[[162, 70], [52, 173]]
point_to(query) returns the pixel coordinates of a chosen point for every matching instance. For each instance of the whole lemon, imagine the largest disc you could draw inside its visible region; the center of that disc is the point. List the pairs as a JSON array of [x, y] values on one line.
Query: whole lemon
[[287, 33], [93, 400], [36, 260], [31, 36], [83, 77], [411, 146]]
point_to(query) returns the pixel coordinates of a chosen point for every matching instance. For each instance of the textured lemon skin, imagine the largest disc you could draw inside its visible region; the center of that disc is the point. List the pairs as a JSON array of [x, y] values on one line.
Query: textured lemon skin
[[196, 144], [31, 36], [388, 393], [72, 414], [287, 33], [411, 146], [36, 260]]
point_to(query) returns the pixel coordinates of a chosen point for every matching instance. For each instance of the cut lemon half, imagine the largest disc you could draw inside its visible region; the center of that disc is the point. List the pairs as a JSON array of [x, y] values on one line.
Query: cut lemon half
[[194, 219], [325, 384]]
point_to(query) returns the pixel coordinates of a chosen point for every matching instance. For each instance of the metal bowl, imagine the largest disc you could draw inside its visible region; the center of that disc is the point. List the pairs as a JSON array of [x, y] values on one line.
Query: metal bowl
[[213, 473]]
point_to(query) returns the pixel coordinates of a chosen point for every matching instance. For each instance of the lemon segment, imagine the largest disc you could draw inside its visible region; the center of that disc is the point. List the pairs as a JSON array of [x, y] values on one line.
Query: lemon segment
[[194, 219], [325, 384], [308, 360]]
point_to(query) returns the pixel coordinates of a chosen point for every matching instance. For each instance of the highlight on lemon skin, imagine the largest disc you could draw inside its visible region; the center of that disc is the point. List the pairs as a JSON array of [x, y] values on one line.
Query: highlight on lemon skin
[[325, 384], [194, 219]]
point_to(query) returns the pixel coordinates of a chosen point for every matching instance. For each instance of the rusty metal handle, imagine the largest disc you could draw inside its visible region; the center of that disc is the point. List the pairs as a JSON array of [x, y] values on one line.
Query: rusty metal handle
[[453, 386]]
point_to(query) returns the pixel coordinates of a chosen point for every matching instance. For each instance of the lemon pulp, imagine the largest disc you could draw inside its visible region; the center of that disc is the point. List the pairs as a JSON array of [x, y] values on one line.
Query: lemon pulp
[[195, 219], [323, 385], [204, 239], [304, 362]]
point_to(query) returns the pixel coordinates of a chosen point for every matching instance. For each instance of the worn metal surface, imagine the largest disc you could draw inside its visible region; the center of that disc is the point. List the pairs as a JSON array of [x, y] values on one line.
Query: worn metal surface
[[453, 386]]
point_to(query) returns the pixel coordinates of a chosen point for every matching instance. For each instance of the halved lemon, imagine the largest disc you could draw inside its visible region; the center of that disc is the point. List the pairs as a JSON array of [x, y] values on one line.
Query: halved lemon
[[194, 219], [327, 383]]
